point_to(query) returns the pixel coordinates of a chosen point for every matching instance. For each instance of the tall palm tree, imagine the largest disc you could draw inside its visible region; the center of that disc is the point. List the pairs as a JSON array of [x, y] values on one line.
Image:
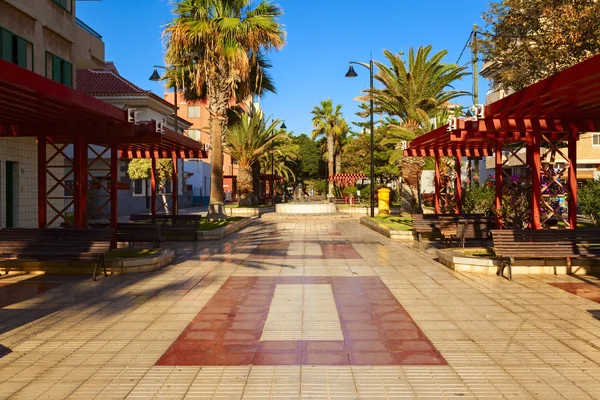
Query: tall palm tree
[[415, 91], [217, 44], [339, 141], [328, 122], [247, 141]]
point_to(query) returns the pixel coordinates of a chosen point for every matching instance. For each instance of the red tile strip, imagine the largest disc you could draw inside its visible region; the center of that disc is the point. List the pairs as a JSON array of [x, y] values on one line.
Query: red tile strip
[[582, 289], [377, 329]]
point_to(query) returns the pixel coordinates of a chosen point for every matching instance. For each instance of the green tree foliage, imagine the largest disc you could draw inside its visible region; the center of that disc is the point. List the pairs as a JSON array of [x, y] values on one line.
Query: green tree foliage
[[216, 47], [140, 168], [310, 162], [533, 39], [328, 121], [589, 200], [356, 158]]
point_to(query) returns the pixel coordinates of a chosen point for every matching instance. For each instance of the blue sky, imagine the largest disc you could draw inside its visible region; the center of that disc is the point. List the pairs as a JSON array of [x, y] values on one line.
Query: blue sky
[[322, 36]]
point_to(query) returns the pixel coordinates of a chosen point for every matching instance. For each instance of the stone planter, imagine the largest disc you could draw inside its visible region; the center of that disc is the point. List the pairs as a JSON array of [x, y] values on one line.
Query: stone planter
[[461, 261], [248, 211], [392, 234], [222, 232]]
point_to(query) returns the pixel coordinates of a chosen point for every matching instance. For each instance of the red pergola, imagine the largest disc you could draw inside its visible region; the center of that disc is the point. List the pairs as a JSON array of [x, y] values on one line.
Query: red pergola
[[346, 179], [61, 119], [545, 115]]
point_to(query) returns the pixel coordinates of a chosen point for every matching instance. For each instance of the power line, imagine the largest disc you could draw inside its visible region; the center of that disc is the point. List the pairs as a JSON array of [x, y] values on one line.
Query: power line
[[464, 48]]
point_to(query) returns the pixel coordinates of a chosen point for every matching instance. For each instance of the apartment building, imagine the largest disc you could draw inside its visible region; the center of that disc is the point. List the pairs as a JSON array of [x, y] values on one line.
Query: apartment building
[[197, 114]]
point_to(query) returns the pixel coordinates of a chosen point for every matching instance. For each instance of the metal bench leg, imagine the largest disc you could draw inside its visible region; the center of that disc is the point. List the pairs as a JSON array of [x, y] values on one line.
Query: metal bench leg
[[419, 236], [500, 272]]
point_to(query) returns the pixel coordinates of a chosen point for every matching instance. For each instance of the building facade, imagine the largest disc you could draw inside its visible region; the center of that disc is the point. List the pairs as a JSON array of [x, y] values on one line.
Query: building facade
[[43, 36], [197, 114]]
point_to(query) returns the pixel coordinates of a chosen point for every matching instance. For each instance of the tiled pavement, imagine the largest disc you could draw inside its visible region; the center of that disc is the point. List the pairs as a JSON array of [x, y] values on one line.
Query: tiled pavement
[[309, 309]]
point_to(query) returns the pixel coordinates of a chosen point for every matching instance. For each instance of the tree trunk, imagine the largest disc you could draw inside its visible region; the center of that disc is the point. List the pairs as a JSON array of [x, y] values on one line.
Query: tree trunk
[[338, 163], [218, 103], [256, 182], [412, 168], [245, 188], [330, 156]]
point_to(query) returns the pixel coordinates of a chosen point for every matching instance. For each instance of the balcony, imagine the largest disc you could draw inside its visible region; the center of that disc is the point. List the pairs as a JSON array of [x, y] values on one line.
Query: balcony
[[87, 28]]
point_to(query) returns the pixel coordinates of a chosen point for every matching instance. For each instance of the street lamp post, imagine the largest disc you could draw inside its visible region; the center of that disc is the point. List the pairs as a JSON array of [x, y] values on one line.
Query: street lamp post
[[273, 170], [155, 78], [352, 74]]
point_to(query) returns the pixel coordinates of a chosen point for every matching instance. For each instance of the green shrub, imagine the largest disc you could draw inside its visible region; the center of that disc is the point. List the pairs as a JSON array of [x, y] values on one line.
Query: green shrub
[[589, 201], [478, 199], [320, 186], [350, 191]]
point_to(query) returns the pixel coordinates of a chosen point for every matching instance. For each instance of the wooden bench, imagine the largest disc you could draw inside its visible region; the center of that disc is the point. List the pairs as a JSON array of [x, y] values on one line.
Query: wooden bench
[[544, 244], [185, 226], [21, 245], [140, 233], [475, 226]]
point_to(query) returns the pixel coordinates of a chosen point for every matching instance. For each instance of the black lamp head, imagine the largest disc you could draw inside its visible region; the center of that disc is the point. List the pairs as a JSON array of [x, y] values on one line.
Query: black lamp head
[[351, 73], [155, 76], [283, 126]]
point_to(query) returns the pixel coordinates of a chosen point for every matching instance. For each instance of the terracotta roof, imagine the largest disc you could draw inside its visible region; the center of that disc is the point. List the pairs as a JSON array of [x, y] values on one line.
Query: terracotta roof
[[106, 83]]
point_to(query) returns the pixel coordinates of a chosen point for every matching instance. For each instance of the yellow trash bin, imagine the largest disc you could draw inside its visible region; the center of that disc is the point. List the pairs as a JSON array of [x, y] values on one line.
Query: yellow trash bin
[[384, 202]]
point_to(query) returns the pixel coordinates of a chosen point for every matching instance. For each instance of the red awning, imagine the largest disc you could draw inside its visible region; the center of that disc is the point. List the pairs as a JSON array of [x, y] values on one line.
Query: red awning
[[32, 105], [567, 101]]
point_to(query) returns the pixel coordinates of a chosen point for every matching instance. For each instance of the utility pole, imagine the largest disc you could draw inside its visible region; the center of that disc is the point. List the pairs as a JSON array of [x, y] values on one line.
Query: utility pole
[[475, 63], [475, 49]]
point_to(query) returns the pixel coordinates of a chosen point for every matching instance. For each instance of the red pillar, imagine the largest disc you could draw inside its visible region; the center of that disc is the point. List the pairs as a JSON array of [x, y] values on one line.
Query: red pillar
[[42, 182], [499, 176], [153, 186], [114, 194], [536, 184], [80, 182], [572, 178], [175, 186], [458, 194], [437, 185]]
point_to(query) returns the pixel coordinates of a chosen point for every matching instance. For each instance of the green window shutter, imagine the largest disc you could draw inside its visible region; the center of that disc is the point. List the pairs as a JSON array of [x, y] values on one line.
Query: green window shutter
[[63, 3], [67, 73], [21, 53], [7, 46], [56, 69]]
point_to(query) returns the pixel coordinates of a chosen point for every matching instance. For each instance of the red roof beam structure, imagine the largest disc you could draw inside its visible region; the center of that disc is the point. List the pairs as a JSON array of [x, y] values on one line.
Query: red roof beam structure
[[527, 125]]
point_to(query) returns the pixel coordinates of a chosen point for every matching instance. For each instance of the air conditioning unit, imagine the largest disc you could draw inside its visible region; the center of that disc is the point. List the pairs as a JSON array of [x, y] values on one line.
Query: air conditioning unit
[[160, 127], [480, 111], [206, 146], [132, 115], [404, 145], [452, 124]]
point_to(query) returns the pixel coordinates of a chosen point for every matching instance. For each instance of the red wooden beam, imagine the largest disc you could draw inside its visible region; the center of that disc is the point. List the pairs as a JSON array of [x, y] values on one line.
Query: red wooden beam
[[114, 194], [42, 182], [437, 183], [498, 183], [175, 187], [572, 178], [536, 185], [153, 187]]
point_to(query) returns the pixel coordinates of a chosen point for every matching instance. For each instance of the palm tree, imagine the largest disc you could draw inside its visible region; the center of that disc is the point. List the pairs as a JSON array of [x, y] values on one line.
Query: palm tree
[[328, 122], [218, 46], [339, 141], [416, 92], [282, 154], [247, 141]]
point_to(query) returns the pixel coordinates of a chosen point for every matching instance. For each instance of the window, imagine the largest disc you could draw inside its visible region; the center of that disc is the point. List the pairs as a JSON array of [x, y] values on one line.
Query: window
[[194, 134], [596, 139], [15, 49], [194, 112], [59, 70], [139, 187], [66, 4]]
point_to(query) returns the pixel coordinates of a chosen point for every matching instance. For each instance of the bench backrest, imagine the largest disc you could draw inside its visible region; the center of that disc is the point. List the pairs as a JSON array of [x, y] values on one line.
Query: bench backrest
[[75, 244], [535, 244]]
